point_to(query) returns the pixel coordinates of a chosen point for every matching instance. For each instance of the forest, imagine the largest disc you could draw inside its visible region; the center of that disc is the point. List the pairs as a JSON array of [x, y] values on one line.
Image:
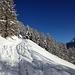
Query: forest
[[45, 41]]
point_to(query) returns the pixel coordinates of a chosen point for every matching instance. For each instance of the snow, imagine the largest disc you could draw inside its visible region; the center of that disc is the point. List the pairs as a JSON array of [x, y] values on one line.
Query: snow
[[22, 54], [73, 40], [12, 22], [3, 20], [50, 56], [7, 49]]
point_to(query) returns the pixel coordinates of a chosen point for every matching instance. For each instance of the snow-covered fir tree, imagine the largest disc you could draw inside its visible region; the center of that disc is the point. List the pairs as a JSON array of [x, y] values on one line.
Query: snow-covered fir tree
[[28, 33], [8, 18]]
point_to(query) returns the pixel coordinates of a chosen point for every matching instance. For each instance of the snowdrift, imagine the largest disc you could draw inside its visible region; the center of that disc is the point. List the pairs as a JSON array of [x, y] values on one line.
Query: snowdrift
[[24, 57]]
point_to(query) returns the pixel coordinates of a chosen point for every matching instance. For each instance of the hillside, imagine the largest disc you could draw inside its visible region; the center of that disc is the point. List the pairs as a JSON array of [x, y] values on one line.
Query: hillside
[[70, 44], [24, 57], [73, 40]]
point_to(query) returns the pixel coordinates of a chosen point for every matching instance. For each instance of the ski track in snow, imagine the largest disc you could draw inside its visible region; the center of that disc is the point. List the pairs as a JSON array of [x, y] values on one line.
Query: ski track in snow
[[24, 57]]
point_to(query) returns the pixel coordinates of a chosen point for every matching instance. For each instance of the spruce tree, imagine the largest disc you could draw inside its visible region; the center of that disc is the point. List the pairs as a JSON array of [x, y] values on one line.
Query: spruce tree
[[28, 33], [8, 19], [48, 42], [36, 37]]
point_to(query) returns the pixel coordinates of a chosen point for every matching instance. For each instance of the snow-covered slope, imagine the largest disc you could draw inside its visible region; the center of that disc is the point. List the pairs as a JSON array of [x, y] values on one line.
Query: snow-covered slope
[[71, 44], [73, 40], [24, 57]]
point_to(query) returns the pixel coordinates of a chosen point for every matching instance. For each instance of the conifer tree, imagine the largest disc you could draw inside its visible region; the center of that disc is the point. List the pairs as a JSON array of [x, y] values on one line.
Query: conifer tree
[[48, 42], [28, 32], [42, 39], [8, 18], [36, 37]]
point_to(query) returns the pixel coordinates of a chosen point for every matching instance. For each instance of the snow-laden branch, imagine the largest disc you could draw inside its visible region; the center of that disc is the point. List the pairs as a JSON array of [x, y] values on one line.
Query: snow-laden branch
[[3, 20]]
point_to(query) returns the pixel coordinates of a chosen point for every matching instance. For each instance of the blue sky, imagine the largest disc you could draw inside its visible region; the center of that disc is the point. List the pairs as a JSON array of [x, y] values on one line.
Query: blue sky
[[56, 17]]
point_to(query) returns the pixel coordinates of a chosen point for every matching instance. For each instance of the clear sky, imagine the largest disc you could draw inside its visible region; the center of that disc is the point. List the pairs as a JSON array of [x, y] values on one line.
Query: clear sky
[[56, 17]]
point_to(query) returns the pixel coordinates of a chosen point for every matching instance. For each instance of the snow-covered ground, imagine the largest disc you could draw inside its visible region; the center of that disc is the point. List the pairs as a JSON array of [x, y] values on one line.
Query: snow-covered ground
[[24, 57]]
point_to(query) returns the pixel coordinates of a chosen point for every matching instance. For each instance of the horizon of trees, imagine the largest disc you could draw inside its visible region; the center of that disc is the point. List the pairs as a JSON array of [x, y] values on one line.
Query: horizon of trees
[[45, 41]]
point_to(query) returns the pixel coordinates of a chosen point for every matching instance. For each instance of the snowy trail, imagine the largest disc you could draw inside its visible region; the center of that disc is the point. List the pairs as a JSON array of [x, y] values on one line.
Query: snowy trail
[[37, 49], [29, 48], [22, 54]]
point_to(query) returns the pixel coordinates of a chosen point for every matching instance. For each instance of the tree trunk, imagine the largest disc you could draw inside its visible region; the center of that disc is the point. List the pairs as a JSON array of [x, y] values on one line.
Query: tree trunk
[[6, 26]]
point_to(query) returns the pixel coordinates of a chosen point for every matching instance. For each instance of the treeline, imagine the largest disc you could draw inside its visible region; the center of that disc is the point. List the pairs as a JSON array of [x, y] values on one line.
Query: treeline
[[45, 41]]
